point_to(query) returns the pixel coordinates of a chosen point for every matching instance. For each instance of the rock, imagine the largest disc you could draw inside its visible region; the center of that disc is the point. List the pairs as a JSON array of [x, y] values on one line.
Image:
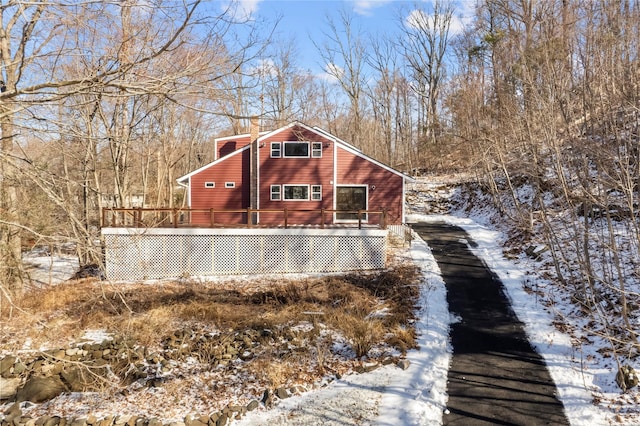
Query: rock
[[19, 368], [252, 405], [40, 389], [626, 378], [75, 379], [404, 364], [54, 421], [222, 420], [6, 364], [8, 387], [154, 422], [190, 421], [213, 419], [13, 409], [282, 393], [88, 271]]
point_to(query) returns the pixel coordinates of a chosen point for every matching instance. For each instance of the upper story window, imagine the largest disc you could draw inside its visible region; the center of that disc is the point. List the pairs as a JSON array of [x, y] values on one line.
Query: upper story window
[[296, 149], [276, 150], [316, 149]]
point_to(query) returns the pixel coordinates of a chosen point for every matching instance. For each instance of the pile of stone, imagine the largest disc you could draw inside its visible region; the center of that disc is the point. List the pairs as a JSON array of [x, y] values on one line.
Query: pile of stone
[[91, 366]]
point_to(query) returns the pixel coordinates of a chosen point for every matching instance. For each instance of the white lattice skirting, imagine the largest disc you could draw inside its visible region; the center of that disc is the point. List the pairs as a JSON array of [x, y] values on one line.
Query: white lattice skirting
[[140, 253]]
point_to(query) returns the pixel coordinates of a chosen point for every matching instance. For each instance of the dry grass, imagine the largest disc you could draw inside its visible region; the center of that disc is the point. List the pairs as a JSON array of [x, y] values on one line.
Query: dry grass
[[295, 322]]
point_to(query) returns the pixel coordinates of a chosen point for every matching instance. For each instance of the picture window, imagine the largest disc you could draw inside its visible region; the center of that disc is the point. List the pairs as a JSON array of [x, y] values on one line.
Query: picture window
[[296, 149], [296, 192]]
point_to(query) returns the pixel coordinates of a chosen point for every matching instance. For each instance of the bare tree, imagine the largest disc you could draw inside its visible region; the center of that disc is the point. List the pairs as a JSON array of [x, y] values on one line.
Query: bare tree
[[425, 41], [112, 71], [344, 56]]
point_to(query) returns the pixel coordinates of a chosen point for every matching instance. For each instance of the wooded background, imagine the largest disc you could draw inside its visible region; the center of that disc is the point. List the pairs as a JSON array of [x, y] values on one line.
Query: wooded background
[[106, 103]]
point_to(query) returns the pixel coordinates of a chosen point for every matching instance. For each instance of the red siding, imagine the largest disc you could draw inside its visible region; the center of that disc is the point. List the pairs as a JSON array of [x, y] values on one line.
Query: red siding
[[387, 194], [296, 171], [384, 188], [228, 145], [231, 169]]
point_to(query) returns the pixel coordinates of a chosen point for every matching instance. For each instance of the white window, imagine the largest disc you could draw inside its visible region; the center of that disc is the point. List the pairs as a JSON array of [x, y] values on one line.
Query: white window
[[296, 192], [296, 149], [276, 193], [316, 192], [316, 149], [209, 184], [229, 184], [276, 150]]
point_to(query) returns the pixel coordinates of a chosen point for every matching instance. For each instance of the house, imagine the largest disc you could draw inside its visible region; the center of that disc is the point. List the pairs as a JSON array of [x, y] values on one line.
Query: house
[[315, 176]]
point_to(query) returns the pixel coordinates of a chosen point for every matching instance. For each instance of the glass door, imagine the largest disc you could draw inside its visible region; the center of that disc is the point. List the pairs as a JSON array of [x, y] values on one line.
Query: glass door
[[351, 198]]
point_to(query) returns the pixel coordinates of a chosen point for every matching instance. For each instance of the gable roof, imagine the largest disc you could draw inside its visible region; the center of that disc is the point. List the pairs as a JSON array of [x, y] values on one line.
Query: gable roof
[[317, 130], [181, 180]]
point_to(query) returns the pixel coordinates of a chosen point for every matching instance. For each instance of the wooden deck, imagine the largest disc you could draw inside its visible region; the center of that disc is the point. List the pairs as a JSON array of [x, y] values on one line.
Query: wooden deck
[[244, 218]]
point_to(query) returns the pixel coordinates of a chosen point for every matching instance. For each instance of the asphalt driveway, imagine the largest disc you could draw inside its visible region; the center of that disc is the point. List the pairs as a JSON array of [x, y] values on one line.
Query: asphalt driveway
[[495, 377]]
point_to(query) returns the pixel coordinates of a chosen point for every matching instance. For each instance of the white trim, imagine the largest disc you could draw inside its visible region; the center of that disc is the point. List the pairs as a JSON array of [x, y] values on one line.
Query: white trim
[[312, 149], [213, 163], [271, 192], [296, 199], [244, 231], [311, 193], [209, 185], [334, 138], [241, 135], [224, 138], [284, 150], [279, 150], [335, 197], [229, 185]]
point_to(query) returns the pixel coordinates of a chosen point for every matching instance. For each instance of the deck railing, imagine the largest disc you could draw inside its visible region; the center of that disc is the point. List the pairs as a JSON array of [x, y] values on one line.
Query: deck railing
[[182, 218]]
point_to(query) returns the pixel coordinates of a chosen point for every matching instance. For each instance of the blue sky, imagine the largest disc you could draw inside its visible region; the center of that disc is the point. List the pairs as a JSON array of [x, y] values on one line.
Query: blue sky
[[305, 21]]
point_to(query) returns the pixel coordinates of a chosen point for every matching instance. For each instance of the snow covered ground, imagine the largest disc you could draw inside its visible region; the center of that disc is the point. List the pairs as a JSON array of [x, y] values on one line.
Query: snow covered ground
[[417, 396]]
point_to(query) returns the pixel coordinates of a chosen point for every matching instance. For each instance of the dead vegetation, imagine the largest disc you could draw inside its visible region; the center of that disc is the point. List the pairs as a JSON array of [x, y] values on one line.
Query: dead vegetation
[[283, 332]]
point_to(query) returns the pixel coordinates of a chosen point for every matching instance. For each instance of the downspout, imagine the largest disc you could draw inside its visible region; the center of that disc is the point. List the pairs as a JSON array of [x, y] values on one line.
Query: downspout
[[253, 168]]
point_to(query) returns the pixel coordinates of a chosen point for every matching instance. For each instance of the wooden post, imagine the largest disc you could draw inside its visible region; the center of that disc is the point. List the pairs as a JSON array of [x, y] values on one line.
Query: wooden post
[[286, 219], [249, 218], [322, 219], [175, 218], [383, 219], [359, 219], [212, 220]]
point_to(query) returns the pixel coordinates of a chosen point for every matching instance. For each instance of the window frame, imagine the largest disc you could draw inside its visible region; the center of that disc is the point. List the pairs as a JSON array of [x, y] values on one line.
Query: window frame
[[316, 192], [229, 185], [276, 147], [316, 149], [284, 149], [209, 185], [288, 185], [279, 192]]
